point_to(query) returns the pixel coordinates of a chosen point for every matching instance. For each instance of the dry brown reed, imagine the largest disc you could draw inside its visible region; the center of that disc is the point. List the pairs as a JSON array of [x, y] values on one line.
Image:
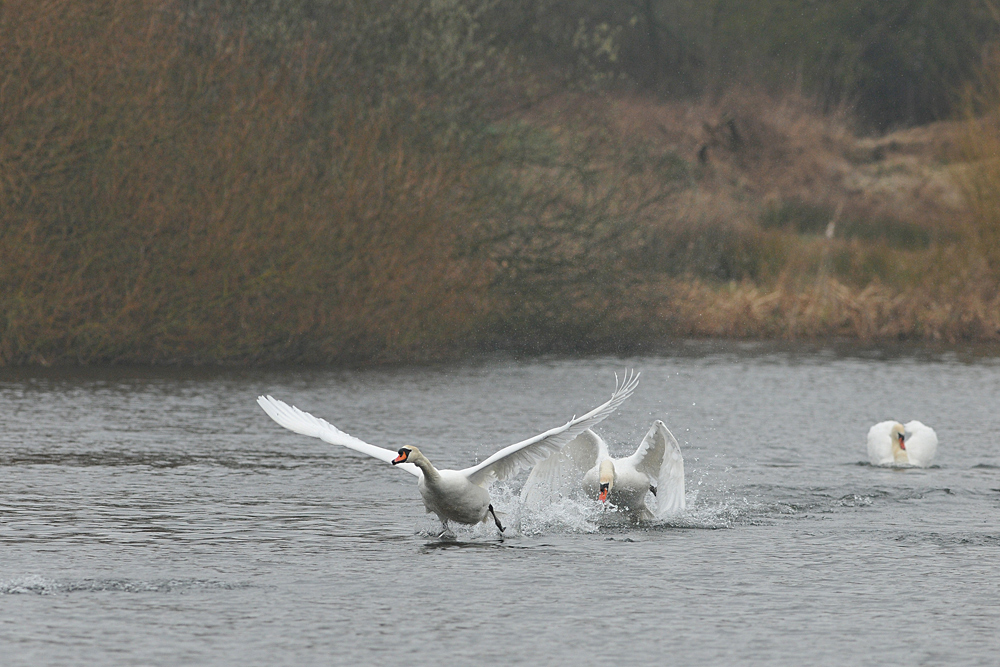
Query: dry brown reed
[[981, 183], [832, 310], [702, 259], [169, 194], [174, 190]]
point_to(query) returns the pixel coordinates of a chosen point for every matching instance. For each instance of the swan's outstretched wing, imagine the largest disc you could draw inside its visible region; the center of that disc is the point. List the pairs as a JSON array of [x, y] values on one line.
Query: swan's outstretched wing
[[509, 460], [304, 423], [561, 473], [880, 443], [659, 456], [921, 444]]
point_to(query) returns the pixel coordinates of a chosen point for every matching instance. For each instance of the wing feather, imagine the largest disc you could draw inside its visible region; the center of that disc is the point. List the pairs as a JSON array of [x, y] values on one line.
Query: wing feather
[[508, 461], [559, 475], [671, 478], [880, 443], [922, 444], [659, 456], [303, 423]]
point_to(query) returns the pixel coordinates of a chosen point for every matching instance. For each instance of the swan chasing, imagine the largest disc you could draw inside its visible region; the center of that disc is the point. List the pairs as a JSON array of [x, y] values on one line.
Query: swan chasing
[[455, 495], [656, 468], [893, 444]]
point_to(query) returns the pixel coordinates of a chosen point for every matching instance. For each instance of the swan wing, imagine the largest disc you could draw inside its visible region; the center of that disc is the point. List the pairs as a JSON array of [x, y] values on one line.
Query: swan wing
[[922, 443], [880, 443], [560, 474], [303, 423], [509, 460], [659, 456]]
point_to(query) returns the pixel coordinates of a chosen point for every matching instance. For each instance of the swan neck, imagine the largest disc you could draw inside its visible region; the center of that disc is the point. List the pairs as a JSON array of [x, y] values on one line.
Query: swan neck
[[422, 462], [607, 472], [899, 454]]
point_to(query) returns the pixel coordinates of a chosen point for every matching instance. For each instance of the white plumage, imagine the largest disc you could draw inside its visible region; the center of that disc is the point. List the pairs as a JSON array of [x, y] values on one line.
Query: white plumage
[[893, 444], [455, 495], [648, 485]]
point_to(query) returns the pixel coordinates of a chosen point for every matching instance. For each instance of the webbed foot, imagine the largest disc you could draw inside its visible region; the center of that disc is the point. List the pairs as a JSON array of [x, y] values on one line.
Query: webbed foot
[[496, 520], [445, 531]]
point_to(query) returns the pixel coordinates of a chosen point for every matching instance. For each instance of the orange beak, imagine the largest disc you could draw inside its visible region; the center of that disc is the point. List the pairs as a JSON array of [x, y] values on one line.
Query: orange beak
[[603, 495], [902, 445], [401, 458]]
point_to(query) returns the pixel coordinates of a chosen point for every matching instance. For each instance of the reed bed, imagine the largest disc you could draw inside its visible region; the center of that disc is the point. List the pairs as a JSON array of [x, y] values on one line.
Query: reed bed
[[832, 310], [175, 188], [171, 194]]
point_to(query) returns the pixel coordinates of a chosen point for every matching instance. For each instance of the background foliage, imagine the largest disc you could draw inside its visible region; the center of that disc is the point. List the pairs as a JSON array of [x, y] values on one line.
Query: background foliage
[[348, 180]]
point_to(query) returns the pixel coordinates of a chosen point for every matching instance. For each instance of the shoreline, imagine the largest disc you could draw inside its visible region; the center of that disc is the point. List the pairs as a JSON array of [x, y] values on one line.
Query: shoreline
[[838, 348]]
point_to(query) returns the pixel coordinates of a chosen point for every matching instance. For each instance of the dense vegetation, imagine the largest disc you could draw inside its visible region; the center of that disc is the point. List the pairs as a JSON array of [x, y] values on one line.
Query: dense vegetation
[[308, 180], [893, 61]]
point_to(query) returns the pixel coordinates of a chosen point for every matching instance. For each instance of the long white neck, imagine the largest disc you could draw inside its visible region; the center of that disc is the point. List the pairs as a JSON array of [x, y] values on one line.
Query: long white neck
[[607, 473], [422, 462], [899, 454]]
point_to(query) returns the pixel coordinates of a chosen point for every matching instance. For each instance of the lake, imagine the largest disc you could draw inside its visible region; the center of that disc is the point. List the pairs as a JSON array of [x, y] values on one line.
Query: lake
[[159, 517]]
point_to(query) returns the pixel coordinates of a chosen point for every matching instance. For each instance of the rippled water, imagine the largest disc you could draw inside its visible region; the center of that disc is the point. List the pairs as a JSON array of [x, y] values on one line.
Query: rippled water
[[160, 518]]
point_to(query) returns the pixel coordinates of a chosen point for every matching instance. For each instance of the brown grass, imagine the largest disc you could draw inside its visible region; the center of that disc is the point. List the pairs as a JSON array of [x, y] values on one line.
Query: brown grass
[[176, 191], [170, 195], [981, 182], [833, 310], [698, 259]]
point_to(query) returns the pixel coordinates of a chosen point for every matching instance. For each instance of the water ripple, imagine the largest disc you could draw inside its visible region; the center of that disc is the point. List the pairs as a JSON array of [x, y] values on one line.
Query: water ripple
[[34, 584]]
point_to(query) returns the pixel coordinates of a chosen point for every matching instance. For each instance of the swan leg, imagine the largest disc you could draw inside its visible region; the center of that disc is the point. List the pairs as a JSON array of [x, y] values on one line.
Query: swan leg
[[652, 489], [445, 530], [495, 519]]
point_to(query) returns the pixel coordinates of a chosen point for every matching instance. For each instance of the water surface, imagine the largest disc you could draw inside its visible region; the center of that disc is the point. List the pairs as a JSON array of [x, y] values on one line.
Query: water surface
[[160, 518]]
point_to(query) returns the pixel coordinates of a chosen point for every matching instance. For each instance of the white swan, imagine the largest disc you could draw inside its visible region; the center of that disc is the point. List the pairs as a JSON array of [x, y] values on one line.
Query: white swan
[[455, 495], [656, 468], [893, 444]]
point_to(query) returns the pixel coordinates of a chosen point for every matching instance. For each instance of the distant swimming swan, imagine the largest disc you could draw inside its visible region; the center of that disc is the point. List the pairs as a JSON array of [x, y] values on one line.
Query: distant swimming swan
[[648, 485], [455, 495], [893, 444]]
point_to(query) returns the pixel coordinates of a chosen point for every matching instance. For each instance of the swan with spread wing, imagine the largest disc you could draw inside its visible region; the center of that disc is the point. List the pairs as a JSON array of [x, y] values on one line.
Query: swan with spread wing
[[455, 495], [647, 485]]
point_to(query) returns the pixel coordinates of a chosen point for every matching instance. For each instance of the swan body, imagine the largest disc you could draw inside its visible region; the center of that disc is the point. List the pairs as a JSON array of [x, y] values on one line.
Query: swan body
[[647, 485], [455, 495], [448, 493], [891, 443]]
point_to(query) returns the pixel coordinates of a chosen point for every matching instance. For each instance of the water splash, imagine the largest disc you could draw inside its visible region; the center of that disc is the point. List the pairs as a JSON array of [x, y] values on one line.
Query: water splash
[[708, 506], [566, 515]]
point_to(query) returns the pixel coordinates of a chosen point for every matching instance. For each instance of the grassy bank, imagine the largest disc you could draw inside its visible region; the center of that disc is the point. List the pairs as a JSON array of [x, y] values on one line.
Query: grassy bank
[[179, 186], [766, 220]]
